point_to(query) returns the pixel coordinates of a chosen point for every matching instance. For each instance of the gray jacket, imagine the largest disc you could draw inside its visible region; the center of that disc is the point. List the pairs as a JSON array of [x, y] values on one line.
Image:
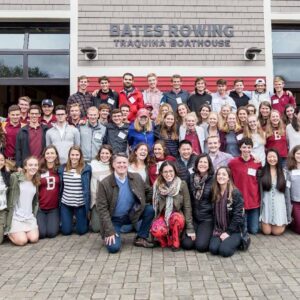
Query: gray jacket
[[63, 143], [91, 139]]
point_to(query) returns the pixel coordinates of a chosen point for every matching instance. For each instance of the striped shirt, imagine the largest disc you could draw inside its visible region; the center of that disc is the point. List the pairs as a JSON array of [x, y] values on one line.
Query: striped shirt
[[72, 193]]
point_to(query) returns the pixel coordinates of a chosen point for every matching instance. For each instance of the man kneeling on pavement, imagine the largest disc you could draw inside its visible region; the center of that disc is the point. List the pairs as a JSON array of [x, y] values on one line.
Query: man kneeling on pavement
[[123, 198]]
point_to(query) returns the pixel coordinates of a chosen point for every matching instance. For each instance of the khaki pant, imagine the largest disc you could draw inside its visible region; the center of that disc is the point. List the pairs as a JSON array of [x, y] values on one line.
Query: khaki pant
[[95, 220], [3, 214]]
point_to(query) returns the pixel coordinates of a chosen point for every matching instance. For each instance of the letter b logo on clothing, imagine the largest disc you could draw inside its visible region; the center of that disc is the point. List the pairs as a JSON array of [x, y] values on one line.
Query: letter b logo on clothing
[[50, 183]]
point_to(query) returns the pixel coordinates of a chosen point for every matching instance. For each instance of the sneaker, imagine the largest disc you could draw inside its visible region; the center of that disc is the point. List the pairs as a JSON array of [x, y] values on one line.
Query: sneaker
[[140, 242]]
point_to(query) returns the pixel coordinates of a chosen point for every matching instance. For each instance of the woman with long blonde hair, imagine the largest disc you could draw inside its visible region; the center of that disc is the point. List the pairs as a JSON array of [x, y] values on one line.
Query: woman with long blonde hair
[[223, 114], [141, 130], [163, 109], [253, 131], [22, 204], [230, 134]]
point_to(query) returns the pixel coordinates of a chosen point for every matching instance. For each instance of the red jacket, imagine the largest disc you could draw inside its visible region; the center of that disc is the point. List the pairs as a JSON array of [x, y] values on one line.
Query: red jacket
[[245, 179], [279, 103], [134, 99]]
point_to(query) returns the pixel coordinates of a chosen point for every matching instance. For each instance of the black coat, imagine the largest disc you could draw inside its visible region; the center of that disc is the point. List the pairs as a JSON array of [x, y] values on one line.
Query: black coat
[[235, 213], [184, 171], [22, 144], [117, 137], [203, 208], [112, 95], [196, 100]]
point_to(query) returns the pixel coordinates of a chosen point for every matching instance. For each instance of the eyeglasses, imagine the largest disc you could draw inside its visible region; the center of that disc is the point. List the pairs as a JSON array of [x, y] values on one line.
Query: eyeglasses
[[60, 115]]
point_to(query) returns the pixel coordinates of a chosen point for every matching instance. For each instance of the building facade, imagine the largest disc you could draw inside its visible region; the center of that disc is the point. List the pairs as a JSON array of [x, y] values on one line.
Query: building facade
[[191, 38]]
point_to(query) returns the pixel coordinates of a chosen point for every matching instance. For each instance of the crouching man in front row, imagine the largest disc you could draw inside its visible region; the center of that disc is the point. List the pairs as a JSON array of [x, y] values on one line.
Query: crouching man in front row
[[122, 199]]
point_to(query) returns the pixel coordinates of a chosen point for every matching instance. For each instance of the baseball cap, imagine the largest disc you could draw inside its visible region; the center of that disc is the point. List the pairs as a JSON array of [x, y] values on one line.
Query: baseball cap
[[48, 102], [260, 81], [143, 112]]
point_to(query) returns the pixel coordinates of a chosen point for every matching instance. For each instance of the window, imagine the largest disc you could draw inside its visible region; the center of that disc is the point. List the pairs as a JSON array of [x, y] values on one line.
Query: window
[[34, 53], [48, 41], [11, 66], [12, 40], [286, 53], [48, 66]]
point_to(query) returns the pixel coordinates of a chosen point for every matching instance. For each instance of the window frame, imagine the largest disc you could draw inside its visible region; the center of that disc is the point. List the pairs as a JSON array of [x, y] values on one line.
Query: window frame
[[286, 28], [27, 29]]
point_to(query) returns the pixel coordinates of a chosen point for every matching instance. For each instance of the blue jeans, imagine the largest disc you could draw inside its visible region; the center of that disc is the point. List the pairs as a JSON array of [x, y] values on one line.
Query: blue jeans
[[130, 227], [252, 220], [143, 232], [66, 217], [48, 223]]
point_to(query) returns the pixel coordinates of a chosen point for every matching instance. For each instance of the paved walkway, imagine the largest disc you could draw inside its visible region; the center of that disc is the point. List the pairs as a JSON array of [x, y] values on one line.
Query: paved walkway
[[80, 268]]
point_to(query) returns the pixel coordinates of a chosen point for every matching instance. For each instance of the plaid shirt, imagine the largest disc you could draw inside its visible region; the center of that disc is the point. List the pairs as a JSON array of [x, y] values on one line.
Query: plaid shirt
[[84, 100]]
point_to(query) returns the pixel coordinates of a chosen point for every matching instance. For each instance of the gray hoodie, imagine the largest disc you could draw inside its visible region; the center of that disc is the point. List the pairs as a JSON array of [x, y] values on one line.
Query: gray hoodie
[[70, 137]]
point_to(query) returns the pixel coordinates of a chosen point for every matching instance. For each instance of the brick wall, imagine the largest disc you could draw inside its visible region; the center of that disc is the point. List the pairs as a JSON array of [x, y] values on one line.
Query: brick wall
[[287, 6], [246, 17], [35, 4]]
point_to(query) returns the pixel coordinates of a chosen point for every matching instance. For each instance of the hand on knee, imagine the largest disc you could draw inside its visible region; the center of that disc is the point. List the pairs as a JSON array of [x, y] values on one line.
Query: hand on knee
[[114, 248]]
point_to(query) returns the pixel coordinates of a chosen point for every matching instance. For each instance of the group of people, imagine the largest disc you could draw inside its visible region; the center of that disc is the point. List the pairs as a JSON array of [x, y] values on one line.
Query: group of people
[[183, 170]]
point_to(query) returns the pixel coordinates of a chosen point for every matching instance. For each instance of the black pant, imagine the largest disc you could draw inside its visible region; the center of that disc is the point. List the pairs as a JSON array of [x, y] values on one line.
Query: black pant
[[203, 235], [227, 247], [48, 222]]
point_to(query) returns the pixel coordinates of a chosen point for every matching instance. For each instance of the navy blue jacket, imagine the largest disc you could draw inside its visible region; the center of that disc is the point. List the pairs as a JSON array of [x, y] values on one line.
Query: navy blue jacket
[[172, 145], [135, 137], [85, 181], [171, 98]]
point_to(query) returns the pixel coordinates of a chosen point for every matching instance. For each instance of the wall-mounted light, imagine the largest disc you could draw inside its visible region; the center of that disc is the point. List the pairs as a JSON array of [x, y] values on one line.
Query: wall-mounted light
[[251, 53], [90, 53]]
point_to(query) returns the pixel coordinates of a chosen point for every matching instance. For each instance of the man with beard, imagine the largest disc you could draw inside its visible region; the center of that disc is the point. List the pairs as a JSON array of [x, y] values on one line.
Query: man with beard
[[131, 96], [48, 117]]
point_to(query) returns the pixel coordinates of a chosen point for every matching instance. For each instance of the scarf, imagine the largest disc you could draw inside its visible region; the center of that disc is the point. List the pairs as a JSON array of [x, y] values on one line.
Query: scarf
[[199, 183], [168, 191], [221, 215]]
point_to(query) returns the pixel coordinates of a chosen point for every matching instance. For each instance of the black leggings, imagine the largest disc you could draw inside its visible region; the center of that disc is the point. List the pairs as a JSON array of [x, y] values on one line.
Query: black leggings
[[227, 247], [203, 235]]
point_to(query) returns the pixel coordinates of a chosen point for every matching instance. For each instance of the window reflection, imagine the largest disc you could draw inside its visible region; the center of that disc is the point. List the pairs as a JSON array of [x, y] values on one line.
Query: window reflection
[[286, 41], [288, 68], [49, 41], [11, 40], [48, 66], [11, 66]]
